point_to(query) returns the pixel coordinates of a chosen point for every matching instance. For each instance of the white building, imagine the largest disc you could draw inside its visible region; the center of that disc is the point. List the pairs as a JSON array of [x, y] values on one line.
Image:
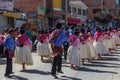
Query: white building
[[78, 10]]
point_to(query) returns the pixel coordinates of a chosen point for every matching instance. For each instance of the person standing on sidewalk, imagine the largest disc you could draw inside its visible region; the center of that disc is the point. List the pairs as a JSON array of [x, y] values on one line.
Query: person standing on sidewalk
[[9, 51], [58, 36]]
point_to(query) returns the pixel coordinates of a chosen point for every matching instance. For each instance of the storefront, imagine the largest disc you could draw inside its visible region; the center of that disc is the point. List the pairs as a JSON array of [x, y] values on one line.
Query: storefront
[[3, 22], [6, 18], [74, 21], [11, 16]]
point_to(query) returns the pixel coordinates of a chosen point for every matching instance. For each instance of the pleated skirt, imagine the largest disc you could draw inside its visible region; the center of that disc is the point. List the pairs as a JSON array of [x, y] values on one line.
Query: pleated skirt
[[23, 55], [111, 43], [43, 49], [105, 42], [100, 48], [117, 40], [73, 56], [85, 51], [93, 52]]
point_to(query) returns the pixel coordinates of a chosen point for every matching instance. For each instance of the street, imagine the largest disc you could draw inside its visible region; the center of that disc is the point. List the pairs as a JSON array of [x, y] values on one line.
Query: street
[[104, 69], [86, 29]]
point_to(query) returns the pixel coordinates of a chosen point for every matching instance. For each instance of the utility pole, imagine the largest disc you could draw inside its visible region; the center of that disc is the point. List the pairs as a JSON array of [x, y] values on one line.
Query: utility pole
[[101, 6], [44, 3], [44, 16], [66, 11]]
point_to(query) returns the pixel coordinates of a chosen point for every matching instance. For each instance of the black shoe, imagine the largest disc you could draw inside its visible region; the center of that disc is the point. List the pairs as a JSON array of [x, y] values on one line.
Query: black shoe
[[54, 75], [8, 76], [60, 72], [12, 72]]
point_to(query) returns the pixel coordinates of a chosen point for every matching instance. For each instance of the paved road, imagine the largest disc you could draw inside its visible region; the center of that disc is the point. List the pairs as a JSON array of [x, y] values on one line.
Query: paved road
[[106, 69]]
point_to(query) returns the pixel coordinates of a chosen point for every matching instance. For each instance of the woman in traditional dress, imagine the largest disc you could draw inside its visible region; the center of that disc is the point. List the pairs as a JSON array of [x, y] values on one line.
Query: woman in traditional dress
[[43, 49], [73, 55], [92, 49], [105, 39], [98, 44], [23, 50], [84, 49], [111, 41], [116, 37]]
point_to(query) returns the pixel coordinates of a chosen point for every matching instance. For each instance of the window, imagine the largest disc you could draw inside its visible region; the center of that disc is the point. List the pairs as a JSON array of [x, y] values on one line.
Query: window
[[97, 0], [63, 5], [79, 11], [119, 12], [70, 9], [10, 0], [117, 2], [84, 12], [74, 10]]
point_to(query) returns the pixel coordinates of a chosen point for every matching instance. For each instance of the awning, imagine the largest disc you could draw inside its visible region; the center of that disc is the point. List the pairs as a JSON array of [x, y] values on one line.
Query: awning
[[54, 16], [31, 14], [78, 4], [12, 14], [74, 21]]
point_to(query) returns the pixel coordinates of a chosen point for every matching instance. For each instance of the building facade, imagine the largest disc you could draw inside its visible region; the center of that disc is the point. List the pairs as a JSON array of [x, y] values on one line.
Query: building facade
[[104, 6], [78, 11], [28, 5], [6, 14], [30, 8], [117, 5]]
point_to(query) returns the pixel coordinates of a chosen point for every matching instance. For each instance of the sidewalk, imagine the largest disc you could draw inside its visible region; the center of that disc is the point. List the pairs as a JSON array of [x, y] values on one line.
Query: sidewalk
[[106, 69]]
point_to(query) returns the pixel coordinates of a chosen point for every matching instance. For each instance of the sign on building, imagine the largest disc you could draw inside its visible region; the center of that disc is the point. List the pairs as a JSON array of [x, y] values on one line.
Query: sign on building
[[6, 5], [57, 5], [74, 21], [14, 15], [41, 10]]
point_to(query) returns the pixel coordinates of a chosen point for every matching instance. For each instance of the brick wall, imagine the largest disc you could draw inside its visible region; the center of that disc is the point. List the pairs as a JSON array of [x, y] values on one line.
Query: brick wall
[[49, 3], [28, 5], [91, 3], [107, 3]]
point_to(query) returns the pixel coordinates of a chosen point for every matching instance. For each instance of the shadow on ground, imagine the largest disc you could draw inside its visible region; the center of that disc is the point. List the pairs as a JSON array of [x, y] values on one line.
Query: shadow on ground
[[2, 61], [70, 78], [101, 65], [18, 78], [95, 70], [105, 63], [33, 71]]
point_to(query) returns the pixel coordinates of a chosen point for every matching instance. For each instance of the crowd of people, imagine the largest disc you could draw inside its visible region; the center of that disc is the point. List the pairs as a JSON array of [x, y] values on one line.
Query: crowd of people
[[76, 44]]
